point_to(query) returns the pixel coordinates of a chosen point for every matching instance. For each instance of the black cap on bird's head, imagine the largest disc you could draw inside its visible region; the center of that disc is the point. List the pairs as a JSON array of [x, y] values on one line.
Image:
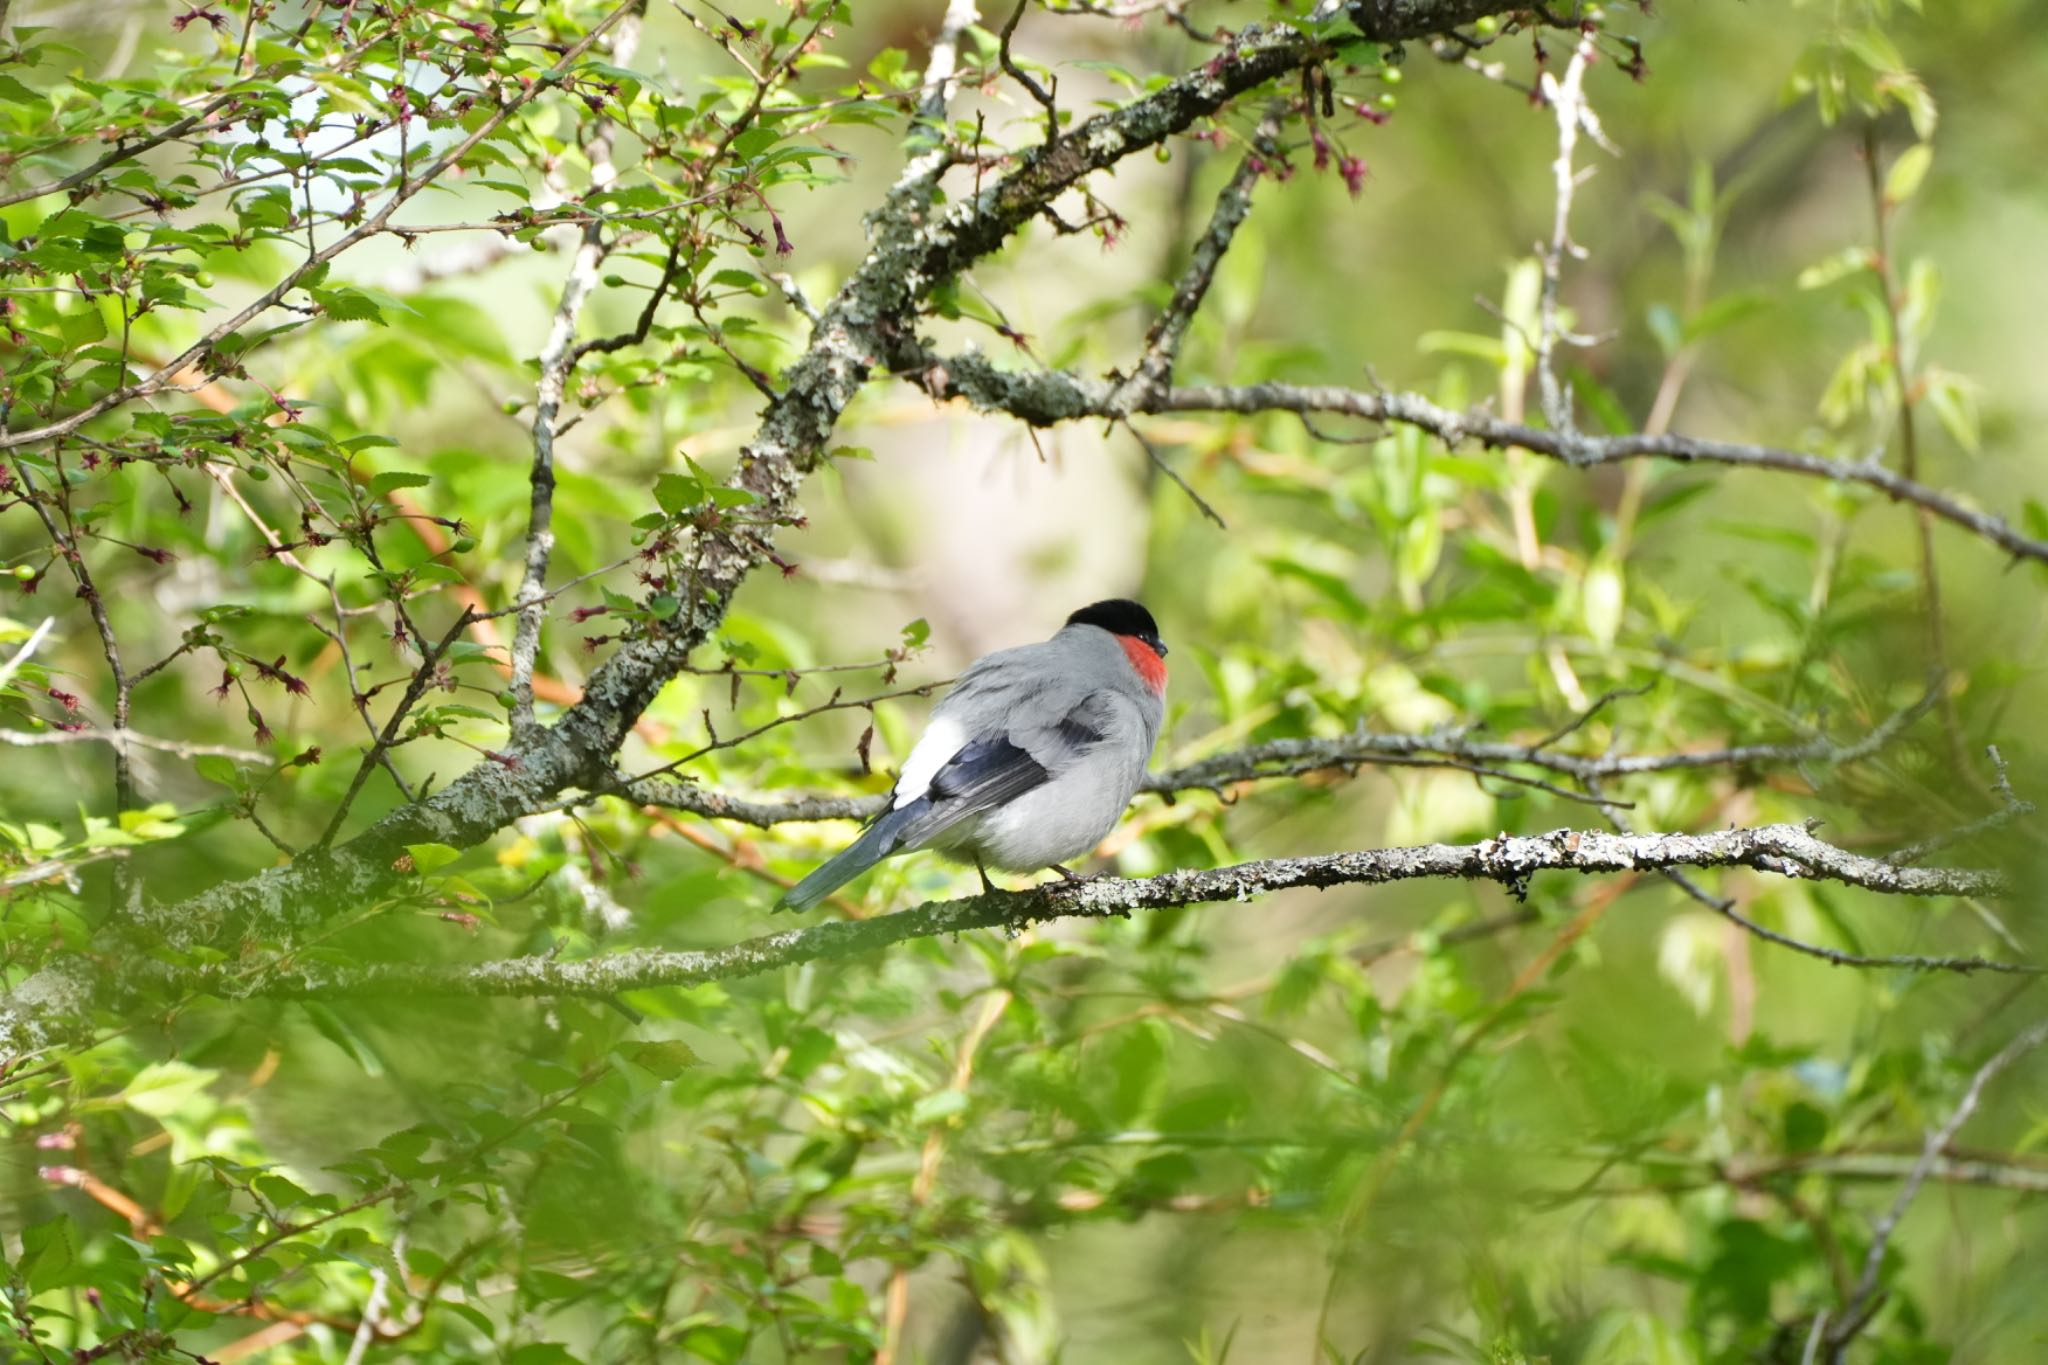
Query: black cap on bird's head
[[1121, 616]]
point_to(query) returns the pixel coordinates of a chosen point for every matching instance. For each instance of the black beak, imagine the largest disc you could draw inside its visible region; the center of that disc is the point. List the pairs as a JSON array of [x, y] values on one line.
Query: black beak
[[1158, 646]]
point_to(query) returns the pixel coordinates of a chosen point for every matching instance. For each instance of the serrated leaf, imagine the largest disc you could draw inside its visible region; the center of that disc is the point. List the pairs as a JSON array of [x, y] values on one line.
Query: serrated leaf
[[384, 484], [677, 493], [348, 305], [163, 1088], [48, 1256]]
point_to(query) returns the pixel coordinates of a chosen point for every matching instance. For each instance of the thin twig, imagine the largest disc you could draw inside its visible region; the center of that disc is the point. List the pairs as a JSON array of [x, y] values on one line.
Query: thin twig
[[1859, 1308], [1567, 97], [1047, 398], [1159, 463], [1907, 383], [180, 747], [558, 358], [1018, 74], [23, 655]]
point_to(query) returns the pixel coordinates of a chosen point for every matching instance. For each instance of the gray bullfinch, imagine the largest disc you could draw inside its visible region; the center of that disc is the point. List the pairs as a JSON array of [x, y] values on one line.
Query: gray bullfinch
[[1029, 760]]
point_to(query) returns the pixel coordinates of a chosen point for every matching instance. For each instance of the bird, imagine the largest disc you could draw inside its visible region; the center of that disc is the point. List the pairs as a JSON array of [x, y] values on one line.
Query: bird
[[1031, 758]]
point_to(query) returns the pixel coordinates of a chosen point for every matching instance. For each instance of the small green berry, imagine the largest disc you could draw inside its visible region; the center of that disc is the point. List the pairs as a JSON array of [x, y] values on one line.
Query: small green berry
[[23, 572], [508, 699], [1486, 26], [234, 669], [1391, 75], [1387, 100], [1593, 14], [203, 278], [258, 473], [464, 545]]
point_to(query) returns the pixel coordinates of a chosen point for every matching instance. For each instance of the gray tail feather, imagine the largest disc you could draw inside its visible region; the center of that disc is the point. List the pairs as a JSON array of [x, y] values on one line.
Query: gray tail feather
[[876, 842]]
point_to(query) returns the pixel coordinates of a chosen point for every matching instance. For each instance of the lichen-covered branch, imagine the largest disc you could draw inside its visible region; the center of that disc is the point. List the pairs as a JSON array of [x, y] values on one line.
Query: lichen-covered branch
[[1049, 397], [1452, 747], [1783, 850]]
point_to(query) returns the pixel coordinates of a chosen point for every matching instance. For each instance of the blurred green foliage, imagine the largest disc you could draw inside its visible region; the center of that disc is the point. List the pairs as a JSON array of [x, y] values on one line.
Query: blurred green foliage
[[1406, 1123]]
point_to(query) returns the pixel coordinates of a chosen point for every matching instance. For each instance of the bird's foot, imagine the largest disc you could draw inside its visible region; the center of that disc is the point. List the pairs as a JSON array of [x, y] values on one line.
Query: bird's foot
[[1069, 877], [988, 888]]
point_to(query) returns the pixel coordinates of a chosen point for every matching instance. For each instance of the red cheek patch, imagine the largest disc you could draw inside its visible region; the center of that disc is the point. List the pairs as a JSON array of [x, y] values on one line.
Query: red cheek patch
[[1150, 666]]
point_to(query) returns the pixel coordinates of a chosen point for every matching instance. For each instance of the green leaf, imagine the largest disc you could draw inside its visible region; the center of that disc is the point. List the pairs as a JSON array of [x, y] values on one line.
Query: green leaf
[[49, 1259], [667, 1058], [891, 65], [1954, 400], [163, 1088], [1603, 597], [1725, 312], [676, 494], [349, 305], [382, 484], [944, 1104], [83, 327], [1842, 264], [740, 279], [218, 768], [718, 1344], [336, 1029], [542, 1353], [1903, 180], [1666, 328], [429, 857]]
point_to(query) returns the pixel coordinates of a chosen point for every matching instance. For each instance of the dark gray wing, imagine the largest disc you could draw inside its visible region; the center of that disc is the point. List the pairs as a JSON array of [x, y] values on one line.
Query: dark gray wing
[[988, 773]]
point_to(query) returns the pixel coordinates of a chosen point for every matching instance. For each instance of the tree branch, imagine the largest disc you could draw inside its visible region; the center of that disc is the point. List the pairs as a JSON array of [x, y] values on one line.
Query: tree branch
[[1449, 748], [1568, 100], [1785, 850], [133, 738], [558, 357], [1049, 397], [1859, 1308]]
